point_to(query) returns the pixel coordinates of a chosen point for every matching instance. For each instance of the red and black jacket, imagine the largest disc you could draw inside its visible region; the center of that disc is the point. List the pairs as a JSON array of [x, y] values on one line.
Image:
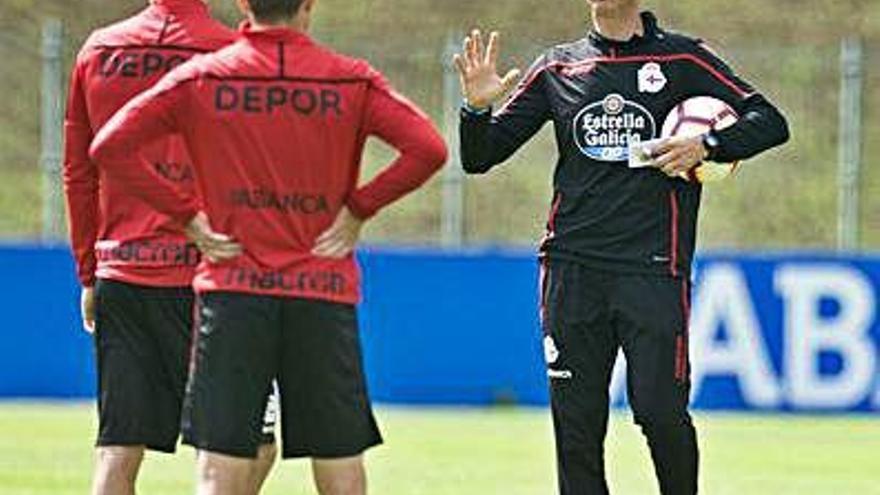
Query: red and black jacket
[[276, 126], [599, 93], [115, 234]]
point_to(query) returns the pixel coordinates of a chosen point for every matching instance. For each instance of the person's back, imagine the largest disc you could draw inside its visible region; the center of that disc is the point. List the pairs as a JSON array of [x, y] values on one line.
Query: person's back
[[114, 234], [135, 265], [276, 125]]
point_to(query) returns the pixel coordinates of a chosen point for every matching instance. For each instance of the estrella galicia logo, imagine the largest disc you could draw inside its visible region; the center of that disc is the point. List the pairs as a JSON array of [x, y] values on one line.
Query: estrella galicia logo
[[604, 130]]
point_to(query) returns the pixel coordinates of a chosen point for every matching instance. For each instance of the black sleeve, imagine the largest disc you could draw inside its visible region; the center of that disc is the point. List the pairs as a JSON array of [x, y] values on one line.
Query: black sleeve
[[487, 139], [761, 126]]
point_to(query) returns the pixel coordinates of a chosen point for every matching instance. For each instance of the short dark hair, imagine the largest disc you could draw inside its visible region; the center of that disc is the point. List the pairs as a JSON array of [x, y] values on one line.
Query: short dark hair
[[274, 10]]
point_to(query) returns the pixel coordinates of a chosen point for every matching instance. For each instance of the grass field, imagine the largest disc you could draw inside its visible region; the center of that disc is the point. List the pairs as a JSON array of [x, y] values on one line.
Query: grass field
[[45, 449]]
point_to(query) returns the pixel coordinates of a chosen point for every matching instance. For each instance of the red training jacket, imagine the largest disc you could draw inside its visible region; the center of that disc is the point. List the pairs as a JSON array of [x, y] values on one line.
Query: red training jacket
[[276, 126], [115, 234]]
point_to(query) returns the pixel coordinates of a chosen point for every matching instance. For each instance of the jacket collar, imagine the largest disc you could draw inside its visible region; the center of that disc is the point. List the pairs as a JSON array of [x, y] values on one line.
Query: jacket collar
[[273, 33], [181, 7], [650, 31]]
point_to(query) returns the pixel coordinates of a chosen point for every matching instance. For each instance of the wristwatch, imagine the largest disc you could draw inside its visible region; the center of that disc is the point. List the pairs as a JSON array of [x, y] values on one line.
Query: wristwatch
[[711, 144]]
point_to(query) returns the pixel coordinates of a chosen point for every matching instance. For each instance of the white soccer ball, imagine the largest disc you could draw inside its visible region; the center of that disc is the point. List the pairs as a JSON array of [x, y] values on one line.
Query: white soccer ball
[[696, 116]]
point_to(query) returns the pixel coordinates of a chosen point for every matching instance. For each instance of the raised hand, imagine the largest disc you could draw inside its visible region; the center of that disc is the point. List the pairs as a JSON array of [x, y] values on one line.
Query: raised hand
[[477, 67]]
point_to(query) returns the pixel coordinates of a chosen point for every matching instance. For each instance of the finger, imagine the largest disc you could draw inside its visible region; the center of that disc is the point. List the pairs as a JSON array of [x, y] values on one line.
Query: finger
[[682, 159], [325, 244], [223, 249], [327, 235], [327, 249], [662, 149], [89, 325], [347, 249], [668, 145], [510, 79], [319, 250], [469, 51], [229, 251], [493, 49], [479, 50], [666, 159], [207, 240], [218, 256], [218, 240], [338, 250], [464, 53], [218, 237], [459, 63], [669, 168], [675, 166], [229, 247]]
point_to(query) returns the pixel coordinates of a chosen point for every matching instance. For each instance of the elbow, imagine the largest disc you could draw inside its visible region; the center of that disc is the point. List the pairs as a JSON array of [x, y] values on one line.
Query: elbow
[[99, 151], [438, 152], [474, 166], [784, 130], [108, 147], [433, 152], [778, 125]]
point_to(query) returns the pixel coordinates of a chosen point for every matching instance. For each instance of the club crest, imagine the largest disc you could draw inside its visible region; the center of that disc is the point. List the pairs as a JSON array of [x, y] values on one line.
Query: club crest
[[651, 78]]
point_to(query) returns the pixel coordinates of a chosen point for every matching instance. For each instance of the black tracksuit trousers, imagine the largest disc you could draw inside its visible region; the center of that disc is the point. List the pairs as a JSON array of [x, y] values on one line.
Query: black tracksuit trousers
[[587, 316]]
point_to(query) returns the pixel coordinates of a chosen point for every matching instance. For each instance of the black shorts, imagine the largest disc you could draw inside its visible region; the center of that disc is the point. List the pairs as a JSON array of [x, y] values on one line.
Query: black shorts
[[142, 340], [311, 347]]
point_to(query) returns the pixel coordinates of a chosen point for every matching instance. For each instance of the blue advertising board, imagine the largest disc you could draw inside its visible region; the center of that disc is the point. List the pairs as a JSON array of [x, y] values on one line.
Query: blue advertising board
[[770, 332]]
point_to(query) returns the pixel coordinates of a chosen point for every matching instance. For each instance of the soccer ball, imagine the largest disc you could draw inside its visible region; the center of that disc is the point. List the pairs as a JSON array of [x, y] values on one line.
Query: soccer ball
[[696, 116]]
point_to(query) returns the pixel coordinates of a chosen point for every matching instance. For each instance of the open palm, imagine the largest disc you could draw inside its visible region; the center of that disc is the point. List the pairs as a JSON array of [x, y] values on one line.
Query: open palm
[[480, 81]]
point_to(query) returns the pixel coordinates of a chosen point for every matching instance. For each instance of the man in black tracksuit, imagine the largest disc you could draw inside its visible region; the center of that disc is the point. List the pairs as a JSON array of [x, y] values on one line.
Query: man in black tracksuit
[[620, 241]]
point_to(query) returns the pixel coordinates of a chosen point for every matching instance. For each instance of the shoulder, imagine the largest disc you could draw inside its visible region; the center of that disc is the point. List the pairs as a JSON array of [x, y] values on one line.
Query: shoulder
[[214, 35], [685, 43], [118, 33], [348, 68], [214, 64], [572, 54], [571, 51], [678, 39], [195, 69]]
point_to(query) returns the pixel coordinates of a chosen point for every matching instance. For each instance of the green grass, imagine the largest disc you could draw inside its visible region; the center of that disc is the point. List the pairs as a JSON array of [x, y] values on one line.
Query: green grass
[[46, 449]]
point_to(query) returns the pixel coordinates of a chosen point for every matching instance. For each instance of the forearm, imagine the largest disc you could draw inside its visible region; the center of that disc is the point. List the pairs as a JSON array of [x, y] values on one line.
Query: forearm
[[473, 131], [487, 140], [761, 127], [118, 154], [145, 119], [395, 120], [83, 217], [81, 182]]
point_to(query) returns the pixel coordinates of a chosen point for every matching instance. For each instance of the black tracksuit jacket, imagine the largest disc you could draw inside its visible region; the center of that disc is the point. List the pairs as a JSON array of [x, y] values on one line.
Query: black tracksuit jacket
[[600, 93]]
